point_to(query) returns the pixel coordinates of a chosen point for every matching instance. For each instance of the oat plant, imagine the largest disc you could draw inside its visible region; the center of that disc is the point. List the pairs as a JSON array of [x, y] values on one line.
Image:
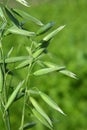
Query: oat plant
[[12, 22]]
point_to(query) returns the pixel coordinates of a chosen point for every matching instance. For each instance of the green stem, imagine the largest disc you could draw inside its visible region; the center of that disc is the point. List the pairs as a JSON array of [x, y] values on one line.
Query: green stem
[[3, 95], [23, 111], [7, 121], [7, 116]]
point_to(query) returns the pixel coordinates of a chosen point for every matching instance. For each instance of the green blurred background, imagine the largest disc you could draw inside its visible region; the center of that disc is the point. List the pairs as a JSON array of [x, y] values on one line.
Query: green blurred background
[[68, 48]]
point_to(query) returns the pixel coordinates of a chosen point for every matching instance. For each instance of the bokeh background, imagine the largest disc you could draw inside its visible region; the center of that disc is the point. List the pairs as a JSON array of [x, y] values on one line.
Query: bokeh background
[[68, 48]]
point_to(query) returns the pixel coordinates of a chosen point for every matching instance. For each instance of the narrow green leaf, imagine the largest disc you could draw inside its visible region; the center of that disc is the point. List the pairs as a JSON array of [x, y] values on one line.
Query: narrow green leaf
[[68, 73], [4, 23], [48, 70], [2, 14], [41, 111], [46, 40], [24, 64], [41, 118], [10, 51], [52, 34], [29, 125], [45, 28], [33, 92], [38, 53], [19, 95], [11, 16], [29, 50], [1, 79], [50, 64], [16, 30], [50, 102], [65, 72], [23, 2], [15, 59], [13, 95], [3, 27], [38, 45], [27, 16]]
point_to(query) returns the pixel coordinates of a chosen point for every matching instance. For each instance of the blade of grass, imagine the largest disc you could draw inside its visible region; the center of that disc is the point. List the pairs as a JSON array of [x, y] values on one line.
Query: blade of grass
[[24, 64], [13, 95], [41, 118], [3, 27], [11, 16], [15, 59], [40, 110], [45, 28], [10, 51], [46, 40], [65, 72], [50, 102], [27, 16], [38, 52], [29, 125], [52, 34], [47, 70], [1, 79], [16, 30], [2, 14], [68, 73]]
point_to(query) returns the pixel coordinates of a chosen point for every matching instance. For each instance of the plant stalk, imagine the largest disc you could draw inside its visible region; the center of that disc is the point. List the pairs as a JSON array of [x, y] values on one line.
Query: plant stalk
[[6, 116], [23, 112]]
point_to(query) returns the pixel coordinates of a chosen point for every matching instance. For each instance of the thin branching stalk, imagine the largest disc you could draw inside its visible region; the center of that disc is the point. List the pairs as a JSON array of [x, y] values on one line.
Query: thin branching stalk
[[3, 96], [13, 22], [23, 112], [25, 96], [6, 115]]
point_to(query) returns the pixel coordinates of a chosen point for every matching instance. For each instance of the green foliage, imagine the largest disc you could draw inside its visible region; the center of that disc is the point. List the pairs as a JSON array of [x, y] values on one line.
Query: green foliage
[[1, 79], [13, 96], [29, 125], [26, 17], [24, 2], [32, 64], [41, 112], [50, 102]]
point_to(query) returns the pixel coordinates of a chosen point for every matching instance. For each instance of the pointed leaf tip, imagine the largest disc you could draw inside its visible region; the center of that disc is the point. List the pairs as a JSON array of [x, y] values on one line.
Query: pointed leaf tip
[[13, 95], [45, 28], [29, 125], [68, 73], [15, 30], [53, 33], [50, 102], [41, 118], [48, 70], [28, 17], [40, 110]]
